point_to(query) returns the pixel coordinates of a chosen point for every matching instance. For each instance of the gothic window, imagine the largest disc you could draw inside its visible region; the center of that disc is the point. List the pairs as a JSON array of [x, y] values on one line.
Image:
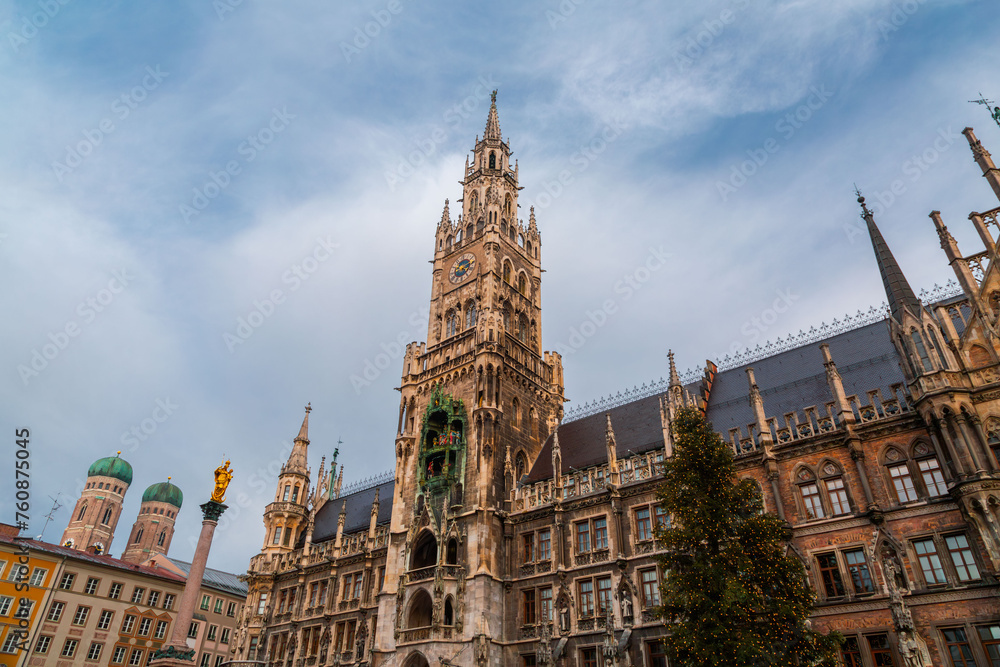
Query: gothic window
[[295, 494], [424, 551], [503, 228], [522, 284], [918, 342], [163, 536], [451, 323], [522, 328], [932, 337], [933, 479], [468, 231], [527, 247], [812, 501], [421, 610], [520, 466], [288, 490], [902, 482], [520, 240], [906, 355], [493, 160], [531, 422], [449, 612], [470, 314], [480, 225], [506, 319], [83, 510], [138, 536], [277, 535], [515, 413], [506, 271], [508, 207], [452, 556]]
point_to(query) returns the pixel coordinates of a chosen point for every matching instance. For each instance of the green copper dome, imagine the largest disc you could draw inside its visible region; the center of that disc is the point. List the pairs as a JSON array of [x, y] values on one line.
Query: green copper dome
[[163, 492], [112, 466]]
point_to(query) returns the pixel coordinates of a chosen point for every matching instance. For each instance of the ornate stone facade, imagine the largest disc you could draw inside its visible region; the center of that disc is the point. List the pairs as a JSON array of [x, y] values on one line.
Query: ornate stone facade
[[508, 536]]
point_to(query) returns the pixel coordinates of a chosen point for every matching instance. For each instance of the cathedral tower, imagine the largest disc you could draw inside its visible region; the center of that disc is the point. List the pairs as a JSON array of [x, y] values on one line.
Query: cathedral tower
[[478, 399], [92, 525], [287, 516], [154, 527]]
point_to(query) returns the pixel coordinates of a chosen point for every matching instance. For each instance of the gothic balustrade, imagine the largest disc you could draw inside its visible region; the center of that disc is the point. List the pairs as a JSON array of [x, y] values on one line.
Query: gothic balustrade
[[452, 571], [543, 566], [527, 569], [600, 555], [585, 624], [421, 574], [416, 635]]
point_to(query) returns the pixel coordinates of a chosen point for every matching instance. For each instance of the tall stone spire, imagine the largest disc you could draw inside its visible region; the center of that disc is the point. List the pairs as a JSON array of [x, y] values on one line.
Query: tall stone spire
[[298, 459], [983, 159], [492, 121], [897, 289]]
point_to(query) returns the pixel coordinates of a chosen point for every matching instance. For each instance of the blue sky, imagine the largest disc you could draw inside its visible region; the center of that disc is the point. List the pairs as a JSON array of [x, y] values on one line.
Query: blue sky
[[211, 150]]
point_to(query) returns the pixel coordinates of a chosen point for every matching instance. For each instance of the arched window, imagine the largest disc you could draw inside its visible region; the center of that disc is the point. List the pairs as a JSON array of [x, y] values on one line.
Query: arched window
[[449, 612], [503, 227], [522, 284], [468, 231], [520, 466], [421, 610], [107, 516], [451, 557], [932, 337], [527, 247], [900, 475], [812, 502], [506, 272], [458, 236], [493, 160], [515, 413], [424, 551], [451, 323], [531, 422], [513, 233], [508, 207], [918, 341], [470, 314], [506, 320], [83, 510], [480, 226], [138, 536], [163, 537], [522, 329]]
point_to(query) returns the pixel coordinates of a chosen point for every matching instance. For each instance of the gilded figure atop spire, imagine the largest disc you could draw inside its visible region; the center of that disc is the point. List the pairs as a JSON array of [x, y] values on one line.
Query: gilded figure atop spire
[[223, 475]]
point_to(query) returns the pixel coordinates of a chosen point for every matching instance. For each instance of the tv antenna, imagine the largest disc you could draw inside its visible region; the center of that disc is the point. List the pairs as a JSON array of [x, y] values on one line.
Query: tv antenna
[[48, 517]]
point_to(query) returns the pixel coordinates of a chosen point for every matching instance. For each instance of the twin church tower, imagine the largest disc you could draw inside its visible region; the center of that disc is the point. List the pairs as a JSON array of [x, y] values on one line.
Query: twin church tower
[[92, 524]]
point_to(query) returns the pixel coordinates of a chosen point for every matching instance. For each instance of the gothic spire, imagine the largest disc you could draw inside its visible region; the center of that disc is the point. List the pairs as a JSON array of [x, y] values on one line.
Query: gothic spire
[[492, 122], [897, 289], [304, 431], [445, 215], [675, 379]]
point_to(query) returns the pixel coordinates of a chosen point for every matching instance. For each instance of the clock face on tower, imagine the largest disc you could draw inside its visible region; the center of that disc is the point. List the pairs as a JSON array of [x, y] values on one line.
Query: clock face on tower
[[462, 268]]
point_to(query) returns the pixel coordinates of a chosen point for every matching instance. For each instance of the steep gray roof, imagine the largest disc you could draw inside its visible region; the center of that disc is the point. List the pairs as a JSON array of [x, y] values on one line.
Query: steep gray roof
[[359, 510], [217, 579], [789, 381]]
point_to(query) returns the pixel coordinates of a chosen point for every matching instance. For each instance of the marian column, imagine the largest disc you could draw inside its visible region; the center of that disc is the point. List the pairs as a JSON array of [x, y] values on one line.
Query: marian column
[[176, 651]]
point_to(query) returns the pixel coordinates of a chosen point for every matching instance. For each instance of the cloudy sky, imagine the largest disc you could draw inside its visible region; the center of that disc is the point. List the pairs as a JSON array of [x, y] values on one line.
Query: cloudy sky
[[167, 169]]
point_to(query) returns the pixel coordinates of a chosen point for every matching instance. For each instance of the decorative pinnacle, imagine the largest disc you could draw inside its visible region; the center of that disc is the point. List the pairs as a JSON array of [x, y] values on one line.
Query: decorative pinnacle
[[897, 289], [304, 430], [492, 121], [675, 379]]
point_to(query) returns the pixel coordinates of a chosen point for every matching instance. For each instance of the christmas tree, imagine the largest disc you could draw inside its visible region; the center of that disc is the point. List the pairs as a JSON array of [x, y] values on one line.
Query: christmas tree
[[732, 595]]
